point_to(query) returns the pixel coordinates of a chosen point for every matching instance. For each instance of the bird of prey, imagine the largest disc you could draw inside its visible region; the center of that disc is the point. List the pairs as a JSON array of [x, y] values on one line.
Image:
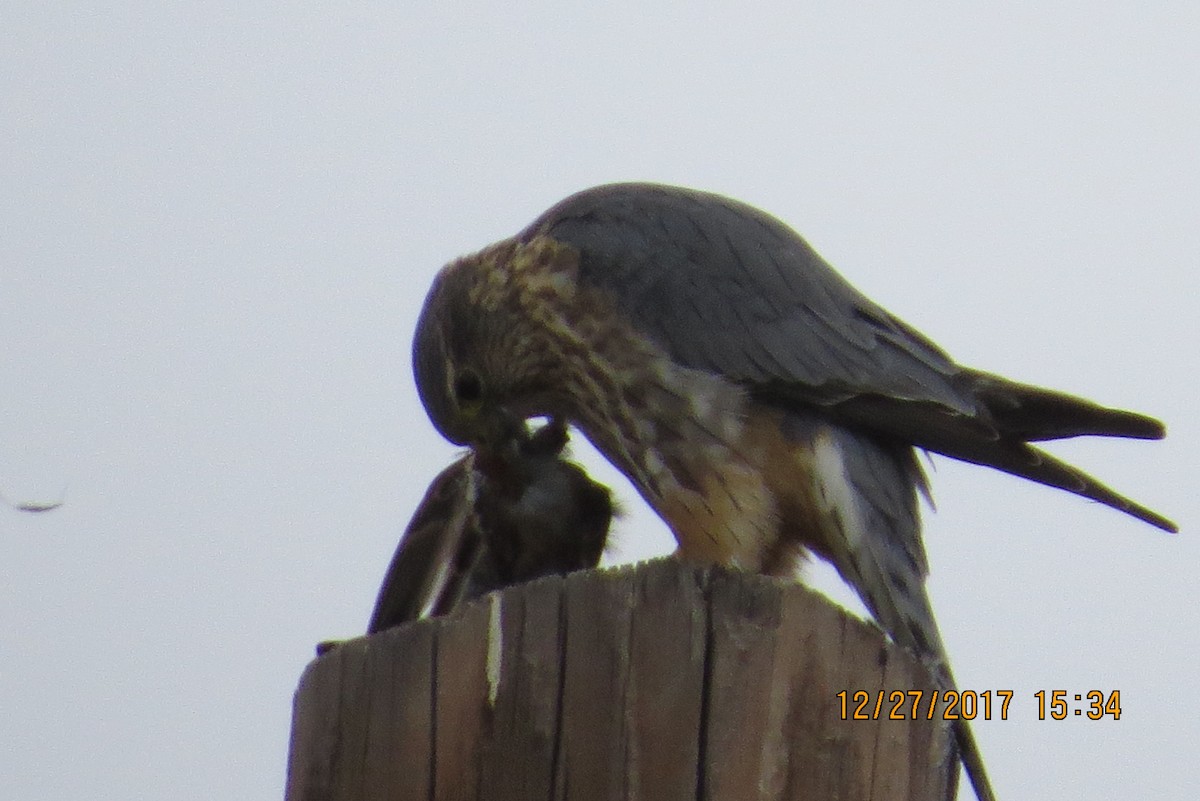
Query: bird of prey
[[493, 519], [760, 404]]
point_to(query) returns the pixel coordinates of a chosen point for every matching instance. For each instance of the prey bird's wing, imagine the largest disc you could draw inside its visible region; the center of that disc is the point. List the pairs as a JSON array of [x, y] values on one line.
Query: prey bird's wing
[[726, 288], [430, 570], [491, 521]]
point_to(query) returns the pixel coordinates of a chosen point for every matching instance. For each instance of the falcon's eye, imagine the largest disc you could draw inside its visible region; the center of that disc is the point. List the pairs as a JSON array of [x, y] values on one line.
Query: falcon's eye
[[468, 390]]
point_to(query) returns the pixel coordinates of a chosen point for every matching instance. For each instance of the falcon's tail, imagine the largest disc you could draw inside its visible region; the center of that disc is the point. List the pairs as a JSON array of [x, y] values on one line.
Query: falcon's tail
[[870, 493]]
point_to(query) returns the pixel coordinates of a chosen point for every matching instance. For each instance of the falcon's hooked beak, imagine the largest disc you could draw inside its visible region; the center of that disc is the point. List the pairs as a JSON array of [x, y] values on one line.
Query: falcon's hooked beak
[[497, 428], [508, 465]]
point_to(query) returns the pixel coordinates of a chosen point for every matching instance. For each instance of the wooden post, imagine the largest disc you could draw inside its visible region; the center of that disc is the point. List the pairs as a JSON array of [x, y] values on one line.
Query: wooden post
[[657, 682]]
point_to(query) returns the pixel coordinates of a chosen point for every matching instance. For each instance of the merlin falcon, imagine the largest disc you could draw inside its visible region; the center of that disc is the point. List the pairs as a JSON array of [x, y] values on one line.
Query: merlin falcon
[[760, 404]]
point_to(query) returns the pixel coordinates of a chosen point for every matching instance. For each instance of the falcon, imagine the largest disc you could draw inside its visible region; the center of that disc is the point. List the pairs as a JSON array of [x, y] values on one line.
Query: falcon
[[764, 408]]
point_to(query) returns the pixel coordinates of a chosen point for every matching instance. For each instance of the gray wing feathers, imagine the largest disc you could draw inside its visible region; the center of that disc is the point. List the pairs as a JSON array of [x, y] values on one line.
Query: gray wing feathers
[[1031, 413], [726, 288], [690, 268]]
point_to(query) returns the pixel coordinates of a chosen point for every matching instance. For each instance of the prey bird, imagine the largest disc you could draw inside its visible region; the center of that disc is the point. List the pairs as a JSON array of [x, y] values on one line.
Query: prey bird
[[491, 520], [759, 403]]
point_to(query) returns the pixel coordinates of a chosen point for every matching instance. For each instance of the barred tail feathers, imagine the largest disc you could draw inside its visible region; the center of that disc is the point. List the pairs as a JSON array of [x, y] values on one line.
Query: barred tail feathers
[[869, 494]]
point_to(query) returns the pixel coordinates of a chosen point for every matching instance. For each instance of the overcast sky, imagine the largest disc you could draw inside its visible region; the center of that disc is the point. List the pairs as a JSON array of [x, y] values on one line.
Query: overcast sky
[[218, 222]]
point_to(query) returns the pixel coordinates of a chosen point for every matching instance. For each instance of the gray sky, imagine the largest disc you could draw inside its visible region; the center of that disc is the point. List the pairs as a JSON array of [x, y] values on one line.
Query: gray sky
[[217, 224]]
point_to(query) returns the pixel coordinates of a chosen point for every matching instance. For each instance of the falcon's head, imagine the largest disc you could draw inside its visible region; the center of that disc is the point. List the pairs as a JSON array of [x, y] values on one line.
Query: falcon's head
[[482, 365]]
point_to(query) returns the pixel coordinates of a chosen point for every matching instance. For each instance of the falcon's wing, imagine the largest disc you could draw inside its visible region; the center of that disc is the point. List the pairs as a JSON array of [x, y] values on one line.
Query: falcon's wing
[[729, 289]]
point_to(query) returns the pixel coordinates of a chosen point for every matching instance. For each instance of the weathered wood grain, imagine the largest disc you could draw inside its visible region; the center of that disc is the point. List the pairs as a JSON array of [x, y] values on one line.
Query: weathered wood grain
[[661, 682]]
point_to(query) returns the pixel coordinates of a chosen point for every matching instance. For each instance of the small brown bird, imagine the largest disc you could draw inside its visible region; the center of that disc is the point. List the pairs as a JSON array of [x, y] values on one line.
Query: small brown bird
[[759, 403], [493, 519]]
